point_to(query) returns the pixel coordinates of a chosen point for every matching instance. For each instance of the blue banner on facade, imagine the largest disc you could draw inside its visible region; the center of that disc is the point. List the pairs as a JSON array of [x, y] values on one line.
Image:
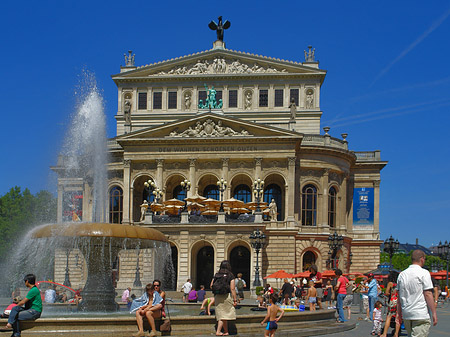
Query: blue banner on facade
[[363, 206]]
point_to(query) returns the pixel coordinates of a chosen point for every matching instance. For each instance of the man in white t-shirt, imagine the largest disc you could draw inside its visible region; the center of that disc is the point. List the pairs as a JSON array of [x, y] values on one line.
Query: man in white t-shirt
[[414, 296], [186, 289]]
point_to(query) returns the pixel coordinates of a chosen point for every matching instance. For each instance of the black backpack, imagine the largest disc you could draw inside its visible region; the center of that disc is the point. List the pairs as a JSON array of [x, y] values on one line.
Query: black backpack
[[298, 292], [220, 285]]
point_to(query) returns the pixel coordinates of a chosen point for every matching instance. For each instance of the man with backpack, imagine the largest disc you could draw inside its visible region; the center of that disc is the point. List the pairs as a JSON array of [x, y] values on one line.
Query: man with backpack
[[240, 285]]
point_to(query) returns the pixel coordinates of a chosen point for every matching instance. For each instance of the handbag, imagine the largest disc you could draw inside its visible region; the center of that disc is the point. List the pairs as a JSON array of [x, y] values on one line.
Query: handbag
[[166, 326]]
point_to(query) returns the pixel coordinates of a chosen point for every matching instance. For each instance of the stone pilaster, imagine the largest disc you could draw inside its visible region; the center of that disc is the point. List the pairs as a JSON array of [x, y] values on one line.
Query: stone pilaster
[[290, 190], [184, 266], [225, 162], [126, 190], [376, 206], [192, 178], [324, 205], [159, 174], [220, 248]]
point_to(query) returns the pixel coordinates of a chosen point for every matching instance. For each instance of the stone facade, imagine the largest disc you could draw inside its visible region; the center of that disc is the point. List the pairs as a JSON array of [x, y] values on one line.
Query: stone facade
[[163, 135]]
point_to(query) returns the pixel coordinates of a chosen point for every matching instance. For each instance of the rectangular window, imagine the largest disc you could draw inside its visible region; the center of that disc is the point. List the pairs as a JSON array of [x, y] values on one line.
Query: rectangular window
[[202, 96], [157, 100], [294, 95], [218, 95], [232, 98], [263, 98], [172, 100], [278, 97], [142, 101]]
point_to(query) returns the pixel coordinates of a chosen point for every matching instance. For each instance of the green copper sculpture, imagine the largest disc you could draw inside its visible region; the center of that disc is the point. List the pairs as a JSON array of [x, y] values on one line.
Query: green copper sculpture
[[210, 102]]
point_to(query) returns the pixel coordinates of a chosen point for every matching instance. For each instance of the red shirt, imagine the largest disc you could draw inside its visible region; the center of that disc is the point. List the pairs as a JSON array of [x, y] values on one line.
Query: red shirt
[[343, 285]]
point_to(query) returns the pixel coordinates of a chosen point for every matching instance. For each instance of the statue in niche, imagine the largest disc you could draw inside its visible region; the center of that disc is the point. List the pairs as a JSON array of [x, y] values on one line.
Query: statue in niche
[[219, 27], [127, 111], [293, 108], [248, 100], [187, 100], [144, 207], [309, 99], [273, 210]]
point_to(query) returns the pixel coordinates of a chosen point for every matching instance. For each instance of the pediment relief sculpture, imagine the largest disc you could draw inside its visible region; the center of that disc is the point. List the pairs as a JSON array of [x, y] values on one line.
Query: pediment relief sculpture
[[209, 128], [220, 65]]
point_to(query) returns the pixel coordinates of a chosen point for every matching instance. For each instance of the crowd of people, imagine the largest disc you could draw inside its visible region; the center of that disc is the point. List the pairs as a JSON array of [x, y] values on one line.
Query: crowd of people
[[408, 298]]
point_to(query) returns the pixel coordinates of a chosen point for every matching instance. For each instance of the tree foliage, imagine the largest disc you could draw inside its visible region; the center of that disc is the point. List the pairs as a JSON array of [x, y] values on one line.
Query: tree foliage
[[401, 261], [20, 211]]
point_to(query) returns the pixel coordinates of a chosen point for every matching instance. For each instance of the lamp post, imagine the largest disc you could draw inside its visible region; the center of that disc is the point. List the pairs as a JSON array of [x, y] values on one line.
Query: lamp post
[[186, 186], [258, 190], [444, 253], [222, 184], [66, 276], [158, 194], [149, 185], [435, 267], [335, 243], [137, 276], [390, 247], [258, 241]]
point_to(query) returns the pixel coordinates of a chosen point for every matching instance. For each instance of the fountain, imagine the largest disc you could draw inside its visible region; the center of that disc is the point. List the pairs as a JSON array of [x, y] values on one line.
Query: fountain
[[85, 158]]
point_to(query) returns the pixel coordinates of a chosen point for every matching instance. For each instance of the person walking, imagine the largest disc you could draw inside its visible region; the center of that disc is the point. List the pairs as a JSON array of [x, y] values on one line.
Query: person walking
[[224, 289], [372, 293], [341, 291], [186, 289], [414, 296]]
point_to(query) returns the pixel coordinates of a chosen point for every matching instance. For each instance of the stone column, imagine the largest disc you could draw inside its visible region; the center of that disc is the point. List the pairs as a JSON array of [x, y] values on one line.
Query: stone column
[[60, 203], [159, 174], [220, 252], [376, 206], [126, 191], [324, 206], [183, 267], [132, 204], [192, 177], [226, 193], [290, 190], [342, 201]]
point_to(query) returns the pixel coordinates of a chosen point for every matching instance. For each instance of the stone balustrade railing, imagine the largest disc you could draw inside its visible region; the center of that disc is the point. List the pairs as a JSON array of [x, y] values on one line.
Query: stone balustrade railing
[[368, 155], [324, 140]]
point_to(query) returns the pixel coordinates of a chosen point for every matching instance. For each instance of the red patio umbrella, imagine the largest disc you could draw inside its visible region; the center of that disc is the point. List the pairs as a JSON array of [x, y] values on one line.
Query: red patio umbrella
[[328, 273], [441, 273], [279, 274], [302, 274]]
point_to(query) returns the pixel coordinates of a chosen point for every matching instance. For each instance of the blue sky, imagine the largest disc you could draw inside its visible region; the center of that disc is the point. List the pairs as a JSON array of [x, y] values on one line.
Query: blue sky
[[387, 86]]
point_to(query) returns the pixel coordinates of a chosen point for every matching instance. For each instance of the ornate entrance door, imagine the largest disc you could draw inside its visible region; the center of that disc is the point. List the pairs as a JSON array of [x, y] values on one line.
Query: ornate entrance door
[[205, 267], [240, 263]]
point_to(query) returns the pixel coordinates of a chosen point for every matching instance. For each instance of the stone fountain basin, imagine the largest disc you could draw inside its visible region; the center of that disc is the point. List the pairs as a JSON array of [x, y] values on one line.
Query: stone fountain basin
[[292, 324]]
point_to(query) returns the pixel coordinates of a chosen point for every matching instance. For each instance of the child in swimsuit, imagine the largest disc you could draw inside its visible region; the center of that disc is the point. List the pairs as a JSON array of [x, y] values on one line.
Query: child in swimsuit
[[312, 296], [271, 317]]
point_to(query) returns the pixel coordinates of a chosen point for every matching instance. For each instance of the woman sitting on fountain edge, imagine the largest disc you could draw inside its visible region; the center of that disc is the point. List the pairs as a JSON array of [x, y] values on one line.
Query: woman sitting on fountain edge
[[151, 310]]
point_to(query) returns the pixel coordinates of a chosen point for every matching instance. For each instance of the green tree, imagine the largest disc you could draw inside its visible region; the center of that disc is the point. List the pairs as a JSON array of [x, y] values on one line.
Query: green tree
[[401, 261], [20, 211]]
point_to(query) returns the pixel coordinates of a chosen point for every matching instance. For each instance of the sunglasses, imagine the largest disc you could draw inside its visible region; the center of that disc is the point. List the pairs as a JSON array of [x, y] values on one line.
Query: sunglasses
[[156, 285]]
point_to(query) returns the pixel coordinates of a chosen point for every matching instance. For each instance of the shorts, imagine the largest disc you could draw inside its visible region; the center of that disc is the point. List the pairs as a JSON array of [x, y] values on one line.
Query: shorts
[[348, 300], [312, 300], [366, 303], [271, 325], [319, 293]]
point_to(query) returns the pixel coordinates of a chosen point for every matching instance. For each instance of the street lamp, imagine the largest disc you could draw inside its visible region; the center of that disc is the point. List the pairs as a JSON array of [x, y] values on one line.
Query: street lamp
[[158, 194], [149, 185], [444, 253], [66, 276], [257, 241], [335, 242], [390, 247], [258, 190], [185, 186], [222, 184], [137, 276], [436, 266]]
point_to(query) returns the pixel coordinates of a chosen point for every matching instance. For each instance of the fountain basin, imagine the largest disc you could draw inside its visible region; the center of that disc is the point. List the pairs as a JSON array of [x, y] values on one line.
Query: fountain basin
[[293, 324]]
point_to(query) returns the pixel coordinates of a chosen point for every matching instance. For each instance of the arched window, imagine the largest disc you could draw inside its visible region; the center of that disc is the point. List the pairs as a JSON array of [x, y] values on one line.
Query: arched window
[[332, 207], [179, 193], [309, 258], [309, 205], [273, 191], [242, 192], [211, 191], [115, 205]]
